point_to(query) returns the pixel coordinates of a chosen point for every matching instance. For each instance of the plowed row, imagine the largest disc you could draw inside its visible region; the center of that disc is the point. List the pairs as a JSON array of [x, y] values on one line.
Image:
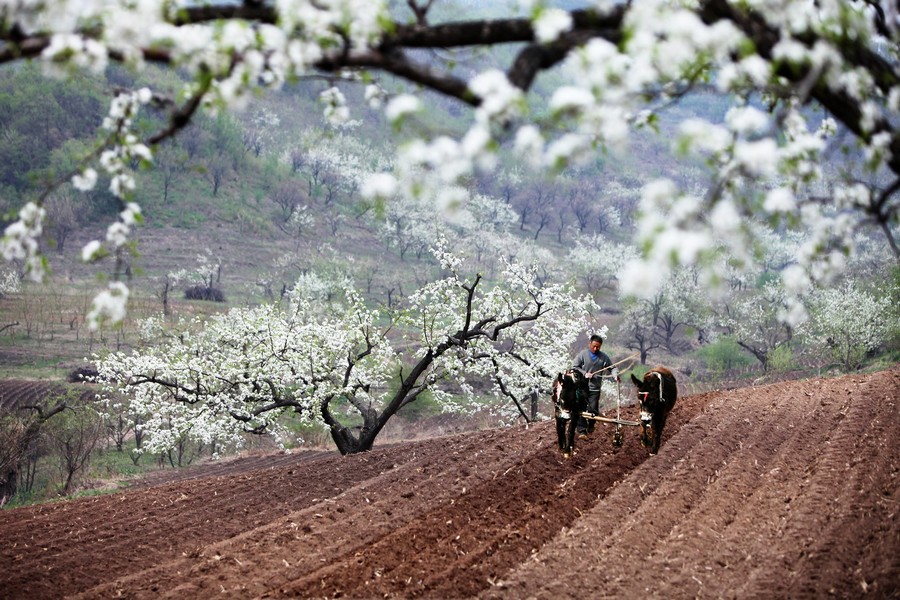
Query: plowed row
[[784, 491]]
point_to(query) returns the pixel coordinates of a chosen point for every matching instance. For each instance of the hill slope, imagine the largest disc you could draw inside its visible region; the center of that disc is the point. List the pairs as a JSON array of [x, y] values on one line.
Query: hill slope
[[787, 490]]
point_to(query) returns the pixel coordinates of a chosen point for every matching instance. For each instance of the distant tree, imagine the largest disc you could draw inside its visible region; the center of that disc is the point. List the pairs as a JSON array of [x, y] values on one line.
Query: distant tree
[[10, 283], [596, 262], [225, 138], [561, 222], [19, 432], [301, 221], [194, 141], [200, 281], [607, 218], [544, 215], [636, 329], [485, 222], [682, 303], [297, 159], [334, 221], [583, 210], [527, 204], [288, 195], [316, 165], [61, 214], [850, 322], [73, 436], [258, 132], [217, 168], [755, 320], [172, 164], [13, 442], [409, 225]]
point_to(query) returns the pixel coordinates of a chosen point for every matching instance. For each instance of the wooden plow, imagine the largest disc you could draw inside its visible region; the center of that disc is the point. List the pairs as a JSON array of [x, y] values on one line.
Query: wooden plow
[[619, 422], [618, 435]]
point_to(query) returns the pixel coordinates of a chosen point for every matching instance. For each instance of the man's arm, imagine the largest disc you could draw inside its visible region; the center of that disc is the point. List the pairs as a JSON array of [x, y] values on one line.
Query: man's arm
[[579, 362]]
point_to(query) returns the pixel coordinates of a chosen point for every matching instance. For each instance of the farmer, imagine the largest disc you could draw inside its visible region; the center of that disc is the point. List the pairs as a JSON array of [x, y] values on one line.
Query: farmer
[[595, 364]]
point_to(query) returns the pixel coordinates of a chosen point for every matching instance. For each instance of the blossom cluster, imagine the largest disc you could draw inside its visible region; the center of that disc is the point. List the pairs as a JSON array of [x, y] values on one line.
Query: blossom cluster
[[20, 240]]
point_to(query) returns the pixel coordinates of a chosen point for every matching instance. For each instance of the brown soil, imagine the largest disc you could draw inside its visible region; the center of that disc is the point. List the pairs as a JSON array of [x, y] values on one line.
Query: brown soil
[[783, 491]]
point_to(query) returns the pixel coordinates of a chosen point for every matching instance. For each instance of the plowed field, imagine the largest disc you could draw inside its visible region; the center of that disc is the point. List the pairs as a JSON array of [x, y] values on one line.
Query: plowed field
[[782, 491]]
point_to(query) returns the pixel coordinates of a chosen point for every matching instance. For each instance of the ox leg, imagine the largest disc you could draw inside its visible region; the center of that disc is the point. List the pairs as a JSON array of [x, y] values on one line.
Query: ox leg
[[659, 429], [561, 432], [570, 438]]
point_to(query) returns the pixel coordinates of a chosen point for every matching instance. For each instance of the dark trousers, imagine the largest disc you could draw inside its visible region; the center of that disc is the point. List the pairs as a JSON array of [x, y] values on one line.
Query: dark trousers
[[593, 406]]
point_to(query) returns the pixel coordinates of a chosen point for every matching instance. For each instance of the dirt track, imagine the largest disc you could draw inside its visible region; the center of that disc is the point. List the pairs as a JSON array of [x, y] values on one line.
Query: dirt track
[[783, 491]]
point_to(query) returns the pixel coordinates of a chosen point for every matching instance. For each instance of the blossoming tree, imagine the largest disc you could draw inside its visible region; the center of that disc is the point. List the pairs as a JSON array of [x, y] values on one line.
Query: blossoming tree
[[850, 321], [756, 320], [797, 72], [345, 366]]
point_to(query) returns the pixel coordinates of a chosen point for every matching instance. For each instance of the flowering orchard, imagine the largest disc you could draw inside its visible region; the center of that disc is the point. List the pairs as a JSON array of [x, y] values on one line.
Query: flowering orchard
[[345, 366], [808, 80]]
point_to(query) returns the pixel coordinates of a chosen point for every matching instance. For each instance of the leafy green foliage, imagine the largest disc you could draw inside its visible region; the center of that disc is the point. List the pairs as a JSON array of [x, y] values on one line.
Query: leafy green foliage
[[722, 355], [781, 358]]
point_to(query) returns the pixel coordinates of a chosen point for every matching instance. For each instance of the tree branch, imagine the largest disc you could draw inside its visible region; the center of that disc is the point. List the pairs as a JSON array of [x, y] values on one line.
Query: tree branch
[[838, 103]]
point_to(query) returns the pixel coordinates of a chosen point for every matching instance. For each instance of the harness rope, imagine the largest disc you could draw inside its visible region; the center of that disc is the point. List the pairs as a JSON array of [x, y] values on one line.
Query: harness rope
[[617, 363], [659, 376]]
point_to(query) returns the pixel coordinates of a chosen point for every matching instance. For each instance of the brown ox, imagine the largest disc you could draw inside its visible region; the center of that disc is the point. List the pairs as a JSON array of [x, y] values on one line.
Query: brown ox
[[657, 393]]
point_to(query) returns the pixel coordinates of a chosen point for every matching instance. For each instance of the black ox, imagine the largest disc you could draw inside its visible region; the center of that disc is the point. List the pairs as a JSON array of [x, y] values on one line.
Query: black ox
[[570, 400], [657, 393]]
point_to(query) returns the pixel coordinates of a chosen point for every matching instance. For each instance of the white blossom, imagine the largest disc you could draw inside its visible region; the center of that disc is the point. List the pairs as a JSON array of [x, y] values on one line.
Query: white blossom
[[747, 120], [500, 100], [379, 185], [758, 157], [108, 306], [85, 181], [336, 111], [91, 250], [606, 87], [779, 200], [550, 23], [374, 96], [402, 106], [529, 144]]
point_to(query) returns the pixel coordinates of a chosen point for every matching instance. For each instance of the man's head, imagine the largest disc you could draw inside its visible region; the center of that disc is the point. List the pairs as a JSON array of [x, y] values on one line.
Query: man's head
[[596, 343]]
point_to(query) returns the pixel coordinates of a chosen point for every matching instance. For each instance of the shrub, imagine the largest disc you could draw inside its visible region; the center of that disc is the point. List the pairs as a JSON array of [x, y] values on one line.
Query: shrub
[[81, 374], [202, 292], [722, 355], [781, 359]]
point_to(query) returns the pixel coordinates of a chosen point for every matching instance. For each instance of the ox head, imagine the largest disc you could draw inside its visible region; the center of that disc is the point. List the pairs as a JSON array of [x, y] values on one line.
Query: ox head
[[576, 378], [566, 386], [648, 390]]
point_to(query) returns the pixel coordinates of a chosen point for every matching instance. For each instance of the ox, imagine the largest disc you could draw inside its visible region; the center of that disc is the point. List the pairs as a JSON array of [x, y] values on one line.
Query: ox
[[657, 393], [569, 400]]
